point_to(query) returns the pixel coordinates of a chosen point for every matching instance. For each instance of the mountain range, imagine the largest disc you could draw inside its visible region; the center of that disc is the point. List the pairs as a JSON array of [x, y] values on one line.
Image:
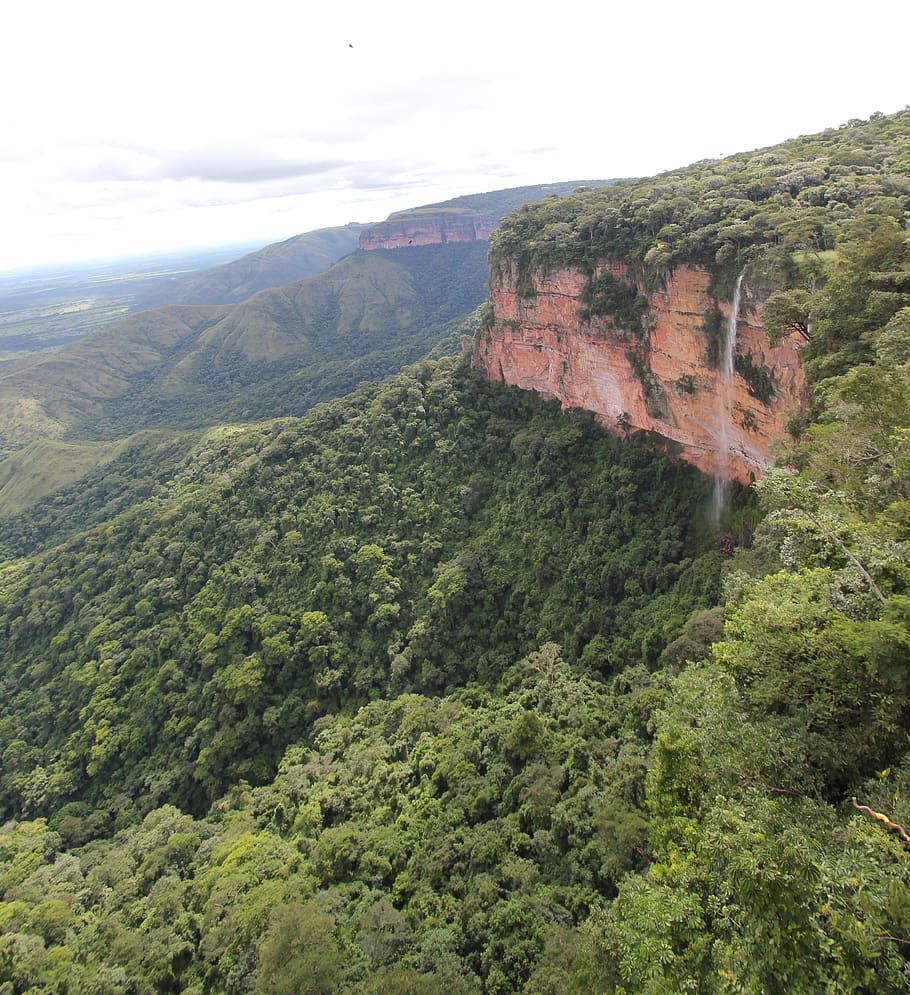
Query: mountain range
[[194, 361]]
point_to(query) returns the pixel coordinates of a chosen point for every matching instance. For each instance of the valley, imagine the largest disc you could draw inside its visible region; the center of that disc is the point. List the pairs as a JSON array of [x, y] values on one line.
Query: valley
[[526, 612]]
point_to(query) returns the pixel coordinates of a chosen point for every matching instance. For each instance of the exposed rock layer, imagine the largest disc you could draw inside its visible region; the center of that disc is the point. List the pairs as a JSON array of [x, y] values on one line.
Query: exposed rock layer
[[425, 228], [659, 381]]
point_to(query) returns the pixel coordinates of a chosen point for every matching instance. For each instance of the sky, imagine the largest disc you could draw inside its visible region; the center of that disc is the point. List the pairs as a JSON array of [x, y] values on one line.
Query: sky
[[128, 128]]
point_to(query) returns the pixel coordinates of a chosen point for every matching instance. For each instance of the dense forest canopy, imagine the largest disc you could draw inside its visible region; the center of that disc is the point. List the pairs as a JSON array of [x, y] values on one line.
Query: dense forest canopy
[[439, 688], [413, 537], [800, 195]]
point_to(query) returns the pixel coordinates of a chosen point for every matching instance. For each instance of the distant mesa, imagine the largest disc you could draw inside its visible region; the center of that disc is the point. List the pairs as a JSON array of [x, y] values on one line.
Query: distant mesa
[[440, 227]]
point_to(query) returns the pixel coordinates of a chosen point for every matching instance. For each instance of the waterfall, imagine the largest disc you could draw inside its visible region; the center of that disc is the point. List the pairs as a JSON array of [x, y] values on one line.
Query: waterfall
[[726, 370]]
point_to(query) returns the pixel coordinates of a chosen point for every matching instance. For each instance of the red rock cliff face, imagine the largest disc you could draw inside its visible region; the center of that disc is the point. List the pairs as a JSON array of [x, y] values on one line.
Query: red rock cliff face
[[427, 229], [542, 342]]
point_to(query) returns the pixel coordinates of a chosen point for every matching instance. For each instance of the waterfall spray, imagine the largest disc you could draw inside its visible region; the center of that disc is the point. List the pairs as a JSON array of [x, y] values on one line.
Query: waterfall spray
[[725, 403]]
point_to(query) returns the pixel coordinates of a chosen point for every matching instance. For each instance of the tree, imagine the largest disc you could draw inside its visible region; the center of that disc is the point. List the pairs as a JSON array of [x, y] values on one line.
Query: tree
[[298, 954], [788, 312]]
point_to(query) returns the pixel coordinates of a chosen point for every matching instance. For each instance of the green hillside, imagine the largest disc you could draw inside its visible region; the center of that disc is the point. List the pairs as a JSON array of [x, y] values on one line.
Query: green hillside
[[188, 366], [274, 265], [314, 252], [47, 307], [46, 466], [109, 477]]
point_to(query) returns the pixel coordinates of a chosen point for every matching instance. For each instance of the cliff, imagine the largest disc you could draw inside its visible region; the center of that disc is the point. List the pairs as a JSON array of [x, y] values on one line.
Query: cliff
[[661, 370], [427, 228]]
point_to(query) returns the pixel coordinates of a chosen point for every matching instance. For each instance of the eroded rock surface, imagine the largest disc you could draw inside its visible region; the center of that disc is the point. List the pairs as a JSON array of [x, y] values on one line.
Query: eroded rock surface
[[661, 378]]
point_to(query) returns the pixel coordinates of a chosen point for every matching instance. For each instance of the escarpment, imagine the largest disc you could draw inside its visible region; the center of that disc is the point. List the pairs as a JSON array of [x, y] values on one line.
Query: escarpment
[[428, 228], [646, 360]]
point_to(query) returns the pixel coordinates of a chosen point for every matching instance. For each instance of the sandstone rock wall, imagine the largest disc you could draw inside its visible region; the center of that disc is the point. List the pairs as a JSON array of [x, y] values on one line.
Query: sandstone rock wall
[[660, 381], [427, 229]]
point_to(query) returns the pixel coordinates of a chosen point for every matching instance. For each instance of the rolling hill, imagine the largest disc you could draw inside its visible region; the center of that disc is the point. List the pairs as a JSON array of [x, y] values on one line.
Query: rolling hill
[[272, 266], [185, 366]]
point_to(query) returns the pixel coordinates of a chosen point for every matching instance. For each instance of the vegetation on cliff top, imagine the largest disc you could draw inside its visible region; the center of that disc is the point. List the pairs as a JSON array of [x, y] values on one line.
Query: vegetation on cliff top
[[799, 195], [815, 224]]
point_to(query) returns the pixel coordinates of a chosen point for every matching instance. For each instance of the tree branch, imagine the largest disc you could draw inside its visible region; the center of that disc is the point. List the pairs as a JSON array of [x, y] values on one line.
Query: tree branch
[[882, 818], [864, 573]]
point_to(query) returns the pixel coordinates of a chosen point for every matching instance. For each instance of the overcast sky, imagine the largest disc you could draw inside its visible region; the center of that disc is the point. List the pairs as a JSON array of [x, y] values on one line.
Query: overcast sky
[[129, 127]]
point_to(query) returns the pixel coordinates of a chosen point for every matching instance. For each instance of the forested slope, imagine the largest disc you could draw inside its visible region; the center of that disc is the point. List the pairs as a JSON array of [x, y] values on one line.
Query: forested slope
[[414, 537], [409, 540], [314, 252]]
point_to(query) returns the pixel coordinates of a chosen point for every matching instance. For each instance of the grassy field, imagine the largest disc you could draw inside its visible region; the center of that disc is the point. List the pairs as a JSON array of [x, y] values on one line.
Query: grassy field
[[43, 309], [45, 466]]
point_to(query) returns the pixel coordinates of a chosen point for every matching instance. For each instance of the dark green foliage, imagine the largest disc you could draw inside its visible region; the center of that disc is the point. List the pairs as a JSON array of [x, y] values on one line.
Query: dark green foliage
[[869, 286], [413, 536], [298, 952], [608, 296], [715, 330], [652, 390], [419, 845], [701, 631], [145, 467], [759, 378], [685, 384]]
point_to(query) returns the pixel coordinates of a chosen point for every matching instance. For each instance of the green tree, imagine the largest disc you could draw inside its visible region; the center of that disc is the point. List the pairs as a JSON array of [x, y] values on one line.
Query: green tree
[[298, 952]]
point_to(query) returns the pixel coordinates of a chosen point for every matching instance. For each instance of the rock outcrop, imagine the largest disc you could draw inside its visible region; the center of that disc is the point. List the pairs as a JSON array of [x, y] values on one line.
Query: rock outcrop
[[662, 375], [427, 228]]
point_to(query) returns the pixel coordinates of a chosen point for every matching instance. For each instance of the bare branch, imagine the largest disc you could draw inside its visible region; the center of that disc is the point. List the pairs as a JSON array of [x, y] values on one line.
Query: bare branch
[[881, 818]]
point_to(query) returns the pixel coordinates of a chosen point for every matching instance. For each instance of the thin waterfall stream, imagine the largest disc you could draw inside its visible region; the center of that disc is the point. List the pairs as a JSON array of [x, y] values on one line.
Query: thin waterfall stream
[[726, 372]]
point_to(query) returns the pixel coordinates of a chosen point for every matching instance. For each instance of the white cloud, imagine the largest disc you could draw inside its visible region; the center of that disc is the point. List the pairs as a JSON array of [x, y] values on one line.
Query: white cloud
[[183, 123]]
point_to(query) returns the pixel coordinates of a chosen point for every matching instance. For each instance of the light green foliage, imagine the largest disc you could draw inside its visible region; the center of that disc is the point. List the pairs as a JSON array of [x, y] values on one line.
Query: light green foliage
[[788, 312], [832, 676], [756, 881], [864, 291], [297, 952], [859, 448]]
